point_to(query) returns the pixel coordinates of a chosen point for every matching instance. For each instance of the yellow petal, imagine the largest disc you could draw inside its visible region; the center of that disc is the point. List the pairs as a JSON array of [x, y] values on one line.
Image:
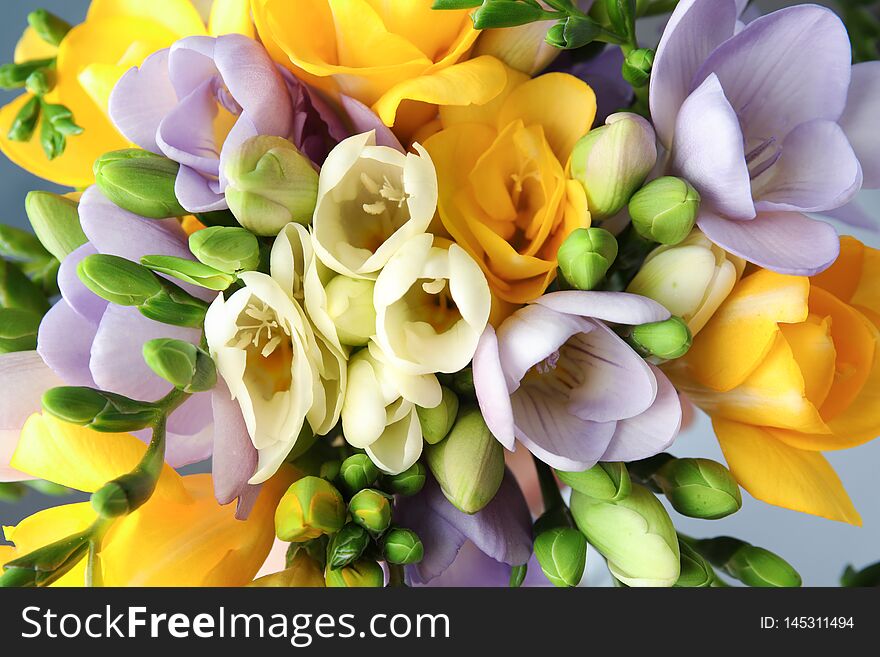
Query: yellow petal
[[83, 459], [538, 102], [486, 113], [744, 329], [231, 17], [178, 16], [31, 46], [813, 350], [782, 475], [7, 554], [302, 572], [474, 82]]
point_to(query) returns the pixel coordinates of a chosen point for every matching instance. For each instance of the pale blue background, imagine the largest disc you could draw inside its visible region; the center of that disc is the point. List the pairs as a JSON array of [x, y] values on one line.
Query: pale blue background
[[818, 548]]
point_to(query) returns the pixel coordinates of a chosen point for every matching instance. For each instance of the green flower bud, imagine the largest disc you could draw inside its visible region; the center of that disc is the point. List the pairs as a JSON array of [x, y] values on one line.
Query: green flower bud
[[612, 162], [360, 574], [55, 221], [518, 575], [667, 340], [18, 291], [371, 509], [229, 250], [40, 82], [49, 27], [585, 257], [665, 210], [637, 66], [329, 470], [409, 482], [11, 492], [437, 422], [175, 306], [58, 124], [635, 535], [350, 306], [19, 244], [463, 383], [868, 576], [562, 553], [47, 564], [18, 329], [270, 185], [469, 464], [753, 566], [140, 182], [110, 501], [311, 507], [695, 572], [358, 472], [25, 122], [189, 271], [14, 76], [347, 545], [699, 488], [118, 280], [604, 481], [182, 364], [403, 546], [98, 410]]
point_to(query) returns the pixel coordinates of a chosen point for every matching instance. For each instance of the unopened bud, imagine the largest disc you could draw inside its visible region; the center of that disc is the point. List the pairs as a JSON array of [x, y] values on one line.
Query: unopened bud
[[350, 306], [40, 82], [329, 470], [437, 422], [699, 488], [666, 340], [409, 482], [182, 364], [270, 184], [49, 27], [118, 280], [18, 329], [402, 546], [371, 510], [189, 271], [18, 291], [15, 75], [637, 66], [110, 501], [695, 571], [665, 210], [140, 182], [523, 48], [98, 410], [585, 257], [604, 481], [347, 545], [230, 250], [55, 220], [25, 122], [358, 472], [469, 463], [562, 553], [753, 566], [310, 508], [360, 574], [612, 162]]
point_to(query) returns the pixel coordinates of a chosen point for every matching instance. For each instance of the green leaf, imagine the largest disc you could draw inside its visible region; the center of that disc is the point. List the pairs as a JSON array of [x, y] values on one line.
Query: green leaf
[[18, 330], [189, 271], [19, 244], [17, 290]]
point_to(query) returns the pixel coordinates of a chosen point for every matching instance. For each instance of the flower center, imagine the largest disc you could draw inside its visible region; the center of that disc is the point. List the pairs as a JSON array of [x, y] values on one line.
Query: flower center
[[387, 202], [548, 364], [430, 301], [759, 160], [268, 349], [260, 334]]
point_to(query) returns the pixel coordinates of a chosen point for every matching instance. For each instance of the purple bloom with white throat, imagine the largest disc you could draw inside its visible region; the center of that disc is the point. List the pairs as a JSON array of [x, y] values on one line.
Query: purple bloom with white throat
[[556, 378], [758, 119], [198, 101]]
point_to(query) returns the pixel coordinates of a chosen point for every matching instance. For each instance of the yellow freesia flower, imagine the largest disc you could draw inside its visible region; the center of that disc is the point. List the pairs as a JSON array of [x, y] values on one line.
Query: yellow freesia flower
[[180, 537], [789, 367], [115, 36], [401, 58], [505, 193]]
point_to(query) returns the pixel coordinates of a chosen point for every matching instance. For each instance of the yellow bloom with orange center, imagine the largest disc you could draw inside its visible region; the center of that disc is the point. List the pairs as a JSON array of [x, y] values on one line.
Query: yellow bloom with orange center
[[505, 193], [180, 537], [401, 58], [115, 36], [787, 368]]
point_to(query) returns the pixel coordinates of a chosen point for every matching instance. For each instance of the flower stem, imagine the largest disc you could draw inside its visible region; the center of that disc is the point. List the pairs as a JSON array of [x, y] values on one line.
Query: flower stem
[[396, 576]]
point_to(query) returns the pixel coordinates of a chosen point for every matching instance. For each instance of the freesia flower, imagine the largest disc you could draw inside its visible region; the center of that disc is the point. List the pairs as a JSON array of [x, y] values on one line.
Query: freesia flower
[[691, 279], [760, 122], [400, 58], [180, 537], [264, 348], [505, 196], [114, 37], [198, 101], [787, 368], [86, 341], [371, 199], [379, 412], [559, 380], [432, 304], [468, 550]]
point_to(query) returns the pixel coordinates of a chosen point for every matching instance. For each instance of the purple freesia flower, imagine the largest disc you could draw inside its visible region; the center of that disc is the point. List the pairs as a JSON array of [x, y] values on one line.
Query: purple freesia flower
[[757, 118], [199, 100], [559, 380], [468, 550]]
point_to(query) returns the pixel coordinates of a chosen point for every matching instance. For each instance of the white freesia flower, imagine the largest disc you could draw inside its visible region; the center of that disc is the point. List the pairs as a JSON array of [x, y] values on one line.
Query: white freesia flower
[[371, 200], [379, 414], [691, 279], [264, 350], [432, 305], [294, 266]]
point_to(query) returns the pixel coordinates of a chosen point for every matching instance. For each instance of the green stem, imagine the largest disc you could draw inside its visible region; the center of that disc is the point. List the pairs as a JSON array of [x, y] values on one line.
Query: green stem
[[549, 488], [396, 576]]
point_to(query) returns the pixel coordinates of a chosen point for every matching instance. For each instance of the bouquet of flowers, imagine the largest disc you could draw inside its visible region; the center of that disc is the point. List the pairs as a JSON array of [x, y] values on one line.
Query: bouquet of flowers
[[359, 253]]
